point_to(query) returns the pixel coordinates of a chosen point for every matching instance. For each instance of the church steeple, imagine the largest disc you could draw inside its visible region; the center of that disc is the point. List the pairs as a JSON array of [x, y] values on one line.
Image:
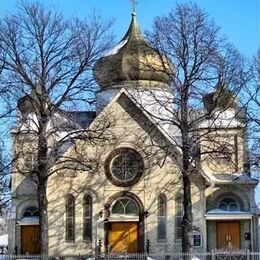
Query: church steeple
[[132, 60], [133, 31], [222, 98]]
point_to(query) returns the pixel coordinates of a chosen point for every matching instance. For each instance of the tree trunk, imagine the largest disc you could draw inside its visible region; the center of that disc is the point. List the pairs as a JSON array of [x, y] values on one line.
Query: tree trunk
[[43, 205], [187, 242], [42, 183]]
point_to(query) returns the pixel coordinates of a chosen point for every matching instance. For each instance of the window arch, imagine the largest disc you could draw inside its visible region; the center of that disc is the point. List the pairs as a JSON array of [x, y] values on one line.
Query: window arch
[[228, 204], [162, 215], [70, 218], [87, 217], [31, 212], [125, 206]]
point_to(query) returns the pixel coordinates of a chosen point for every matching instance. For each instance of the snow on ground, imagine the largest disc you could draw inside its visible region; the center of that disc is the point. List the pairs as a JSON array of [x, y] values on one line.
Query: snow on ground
[[4, 240]]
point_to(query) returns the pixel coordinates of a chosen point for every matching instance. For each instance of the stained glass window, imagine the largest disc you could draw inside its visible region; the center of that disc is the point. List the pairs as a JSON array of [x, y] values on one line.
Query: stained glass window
[[125, 167], [162, 215], [87, 218], [125, 206], [31, 212], [70, 218], [178, 217], [228, 204]]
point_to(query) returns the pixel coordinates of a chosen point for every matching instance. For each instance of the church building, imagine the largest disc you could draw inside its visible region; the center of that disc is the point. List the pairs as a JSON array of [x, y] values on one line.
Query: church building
[[128, 195]]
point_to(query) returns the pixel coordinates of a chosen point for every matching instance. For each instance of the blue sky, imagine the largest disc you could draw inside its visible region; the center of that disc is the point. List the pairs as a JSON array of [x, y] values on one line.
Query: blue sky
[[239, 19]]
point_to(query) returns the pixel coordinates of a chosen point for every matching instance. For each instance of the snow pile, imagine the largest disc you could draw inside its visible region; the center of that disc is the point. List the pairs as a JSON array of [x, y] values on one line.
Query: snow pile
[[223, 119], [4, 240], [220, 211], [116, 49], [158, 105]]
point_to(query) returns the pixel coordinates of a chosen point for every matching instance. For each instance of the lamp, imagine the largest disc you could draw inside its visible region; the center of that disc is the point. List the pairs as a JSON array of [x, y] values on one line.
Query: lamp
[[145, 213], [100, 213]]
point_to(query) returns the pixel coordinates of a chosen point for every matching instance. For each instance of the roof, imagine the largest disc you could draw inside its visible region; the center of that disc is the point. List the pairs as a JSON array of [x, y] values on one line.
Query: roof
[[83, 118], [232, 178]]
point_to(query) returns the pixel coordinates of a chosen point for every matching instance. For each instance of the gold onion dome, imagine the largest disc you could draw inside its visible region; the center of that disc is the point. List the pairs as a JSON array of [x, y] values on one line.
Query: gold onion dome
[[132, 59], [222, 98]]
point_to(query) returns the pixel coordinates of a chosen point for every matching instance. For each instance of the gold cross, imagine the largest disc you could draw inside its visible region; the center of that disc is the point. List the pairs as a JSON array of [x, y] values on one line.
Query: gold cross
[[134, 2]]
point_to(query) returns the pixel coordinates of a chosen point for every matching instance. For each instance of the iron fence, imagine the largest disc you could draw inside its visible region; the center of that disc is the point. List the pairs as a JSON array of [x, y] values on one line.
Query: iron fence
[[213, 255]]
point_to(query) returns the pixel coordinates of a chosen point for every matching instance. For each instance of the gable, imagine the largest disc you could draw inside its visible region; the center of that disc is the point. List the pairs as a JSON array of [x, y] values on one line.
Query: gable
[[121, 124]]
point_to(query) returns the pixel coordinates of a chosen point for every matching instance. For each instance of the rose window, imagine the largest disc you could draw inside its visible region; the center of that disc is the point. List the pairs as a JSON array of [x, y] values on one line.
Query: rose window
[[124, 167]]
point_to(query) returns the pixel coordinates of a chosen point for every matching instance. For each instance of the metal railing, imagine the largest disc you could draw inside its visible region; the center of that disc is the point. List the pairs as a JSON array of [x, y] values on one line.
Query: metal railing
[[213, 255]]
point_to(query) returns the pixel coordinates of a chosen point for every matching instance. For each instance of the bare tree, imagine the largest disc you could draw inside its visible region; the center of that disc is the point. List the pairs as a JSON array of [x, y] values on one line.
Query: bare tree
[[202, 62], [253, 105], [47, 65]]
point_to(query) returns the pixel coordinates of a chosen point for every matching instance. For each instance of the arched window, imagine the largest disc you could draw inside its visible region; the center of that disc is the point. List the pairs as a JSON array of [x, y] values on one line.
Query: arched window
[[70, 218], [162, 215], [125, 206], [31, 212], [228, 204], [87, 217], [178, 217]]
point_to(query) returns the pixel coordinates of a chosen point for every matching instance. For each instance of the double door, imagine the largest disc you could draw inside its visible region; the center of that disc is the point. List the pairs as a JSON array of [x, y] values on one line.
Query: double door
[[228, 234], [123, 237], [30, 239]]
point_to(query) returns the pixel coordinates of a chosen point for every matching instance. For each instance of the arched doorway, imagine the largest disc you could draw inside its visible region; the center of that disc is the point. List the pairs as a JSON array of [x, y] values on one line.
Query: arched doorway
[[30, 231], [125, 224], [229, 221], [228, 232]]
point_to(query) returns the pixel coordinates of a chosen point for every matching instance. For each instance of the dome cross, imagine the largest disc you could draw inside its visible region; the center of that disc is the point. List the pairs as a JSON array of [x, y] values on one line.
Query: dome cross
[[134, 2]]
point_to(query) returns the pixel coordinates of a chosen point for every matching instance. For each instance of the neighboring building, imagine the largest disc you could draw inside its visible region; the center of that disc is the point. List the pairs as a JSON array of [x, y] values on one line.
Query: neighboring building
[[130, 192]]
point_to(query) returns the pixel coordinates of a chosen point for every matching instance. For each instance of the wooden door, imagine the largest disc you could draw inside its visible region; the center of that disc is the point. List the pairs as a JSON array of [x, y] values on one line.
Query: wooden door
[[123, 237], [228, 233], [30, 239]]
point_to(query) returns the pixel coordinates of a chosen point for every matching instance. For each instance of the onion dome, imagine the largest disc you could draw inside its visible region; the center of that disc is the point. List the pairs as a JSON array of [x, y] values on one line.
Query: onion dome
[[132, 59], [30, 103], [222, 98], [27, 104]]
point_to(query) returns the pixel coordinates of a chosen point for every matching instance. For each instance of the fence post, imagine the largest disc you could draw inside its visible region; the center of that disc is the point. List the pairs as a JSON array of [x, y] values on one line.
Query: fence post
[[148, 243], [247, 254], [212, 254]]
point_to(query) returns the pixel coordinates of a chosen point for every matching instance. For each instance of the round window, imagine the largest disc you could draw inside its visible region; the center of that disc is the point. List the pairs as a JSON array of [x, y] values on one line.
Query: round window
[[124, 167]]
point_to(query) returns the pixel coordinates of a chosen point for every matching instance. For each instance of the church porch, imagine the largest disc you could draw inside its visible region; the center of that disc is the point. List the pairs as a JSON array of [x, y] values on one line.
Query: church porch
[[230, 230]]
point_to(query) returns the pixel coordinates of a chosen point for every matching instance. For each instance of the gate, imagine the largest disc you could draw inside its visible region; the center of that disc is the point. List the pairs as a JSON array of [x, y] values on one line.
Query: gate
[[230, 253]]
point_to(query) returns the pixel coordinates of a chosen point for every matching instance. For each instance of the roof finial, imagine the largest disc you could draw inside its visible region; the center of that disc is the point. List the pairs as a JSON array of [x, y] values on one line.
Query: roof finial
[[134, 2]]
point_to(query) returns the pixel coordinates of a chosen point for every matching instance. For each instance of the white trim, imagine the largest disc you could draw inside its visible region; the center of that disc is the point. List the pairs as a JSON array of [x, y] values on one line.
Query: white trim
[[27, 224], [28, 221], [123, 218], [228, 216]]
